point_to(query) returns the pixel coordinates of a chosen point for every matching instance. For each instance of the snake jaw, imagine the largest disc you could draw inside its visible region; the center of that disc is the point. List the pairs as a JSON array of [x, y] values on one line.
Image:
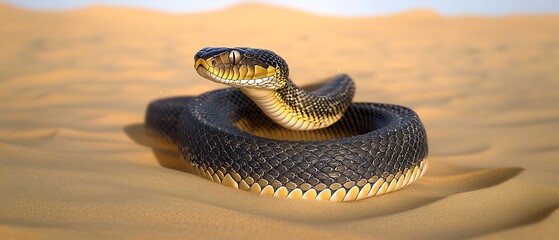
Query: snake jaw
[[260, 83]]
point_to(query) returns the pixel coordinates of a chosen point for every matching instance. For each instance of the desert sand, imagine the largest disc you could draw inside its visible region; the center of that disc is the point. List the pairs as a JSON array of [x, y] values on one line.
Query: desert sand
[[75, 161]]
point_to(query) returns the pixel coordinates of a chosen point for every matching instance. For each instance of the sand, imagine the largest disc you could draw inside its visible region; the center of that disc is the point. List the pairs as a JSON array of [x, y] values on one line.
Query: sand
[[75, 161]]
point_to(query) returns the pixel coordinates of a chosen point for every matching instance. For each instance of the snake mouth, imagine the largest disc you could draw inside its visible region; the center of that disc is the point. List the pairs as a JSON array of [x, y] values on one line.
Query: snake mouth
[[202, 70]]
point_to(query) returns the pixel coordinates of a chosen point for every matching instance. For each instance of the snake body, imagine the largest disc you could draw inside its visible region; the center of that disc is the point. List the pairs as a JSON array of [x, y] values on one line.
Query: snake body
[[268, 136]]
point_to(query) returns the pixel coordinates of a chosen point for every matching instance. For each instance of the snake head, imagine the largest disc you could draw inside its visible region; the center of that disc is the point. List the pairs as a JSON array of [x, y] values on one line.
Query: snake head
[[242, 67]]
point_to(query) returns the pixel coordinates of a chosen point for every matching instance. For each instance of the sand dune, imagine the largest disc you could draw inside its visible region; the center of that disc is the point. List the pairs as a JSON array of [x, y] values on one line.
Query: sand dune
[[75, 161]]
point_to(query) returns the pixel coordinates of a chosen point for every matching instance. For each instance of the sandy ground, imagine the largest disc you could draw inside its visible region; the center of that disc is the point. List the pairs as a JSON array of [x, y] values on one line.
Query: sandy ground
[[75, 161]]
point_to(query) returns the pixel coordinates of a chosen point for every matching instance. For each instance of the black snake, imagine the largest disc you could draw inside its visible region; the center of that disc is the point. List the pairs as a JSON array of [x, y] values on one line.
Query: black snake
[[268, 136]]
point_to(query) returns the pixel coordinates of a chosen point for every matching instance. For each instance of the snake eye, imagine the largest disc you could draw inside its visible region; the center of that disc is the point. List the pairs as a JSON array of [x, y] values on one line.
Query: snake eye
[[234, 57]]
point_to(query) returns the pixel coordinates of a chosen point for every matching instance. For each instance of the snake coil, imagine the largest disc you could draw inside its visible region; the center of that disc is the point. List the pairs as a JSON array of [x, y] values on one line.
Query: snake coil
[[225, 135]]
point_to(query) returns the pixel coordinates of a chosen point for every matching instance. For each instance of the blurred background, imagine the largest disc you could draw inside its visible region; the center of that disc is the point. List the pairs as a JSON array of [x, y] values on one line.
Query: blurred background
[[349, 8]]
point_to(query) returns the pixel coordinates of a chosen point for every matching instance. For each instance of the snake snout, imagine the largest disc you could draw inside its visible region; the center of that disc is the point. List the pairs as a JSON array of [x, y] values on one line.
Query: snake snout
[[201, 62]]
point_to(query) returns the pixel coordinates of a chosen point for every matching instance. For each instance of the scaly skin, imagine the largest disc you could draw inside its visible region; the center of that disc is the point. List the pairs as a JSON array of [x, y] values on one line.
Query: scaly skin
[[264, 77]]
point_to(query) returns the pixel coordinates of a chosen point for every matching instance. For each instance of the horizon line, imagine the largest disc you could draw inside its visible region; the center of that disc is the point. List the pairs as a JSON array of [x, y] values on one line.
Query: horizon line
[[265, 4]]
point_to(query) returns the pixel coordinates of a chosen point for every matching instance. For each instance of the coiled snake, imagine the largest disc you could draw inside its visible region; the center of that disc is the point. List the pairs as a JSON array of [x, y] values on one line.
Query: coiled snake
[[268, 136]]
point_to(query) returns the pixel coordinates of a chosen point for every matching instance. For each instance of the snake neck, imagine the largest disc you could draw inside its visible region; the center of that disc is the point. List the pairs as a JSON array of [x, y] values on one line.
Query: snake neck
[[296, 109]]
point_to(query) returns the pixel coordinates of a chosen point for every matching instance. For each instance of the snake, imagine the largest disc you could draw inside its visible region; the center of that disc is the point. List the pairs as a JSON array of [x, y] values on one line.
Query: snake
[[266, 135]]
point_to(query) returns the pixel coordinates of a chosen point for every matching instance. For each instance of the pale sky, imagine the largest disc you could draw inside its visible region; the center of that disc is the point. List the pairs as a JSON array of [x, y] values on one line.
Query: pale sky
[[327, 7]]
